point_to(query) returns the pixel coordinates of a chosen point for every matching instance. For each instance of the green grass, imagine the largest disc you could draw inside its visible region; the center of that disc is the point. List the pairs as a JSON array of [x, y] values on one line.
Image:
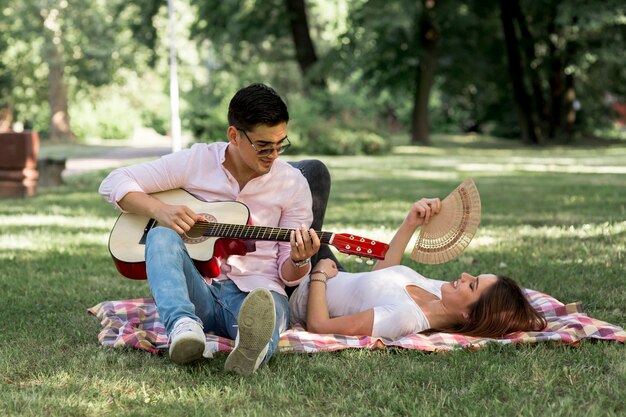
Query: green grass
[[555, 219]]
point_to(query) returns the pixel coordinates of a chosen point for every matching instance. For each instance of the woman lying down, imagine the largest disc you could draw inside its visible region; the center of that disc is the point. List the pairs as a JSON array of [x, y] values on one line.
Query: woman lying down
[[393, 300]]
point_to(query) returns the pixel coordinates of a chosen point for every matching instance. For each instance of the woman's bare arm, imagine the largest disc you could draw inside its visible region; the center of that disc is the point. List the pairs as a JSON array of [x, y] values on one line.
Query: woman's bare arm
[[420, 213], [318, 319]]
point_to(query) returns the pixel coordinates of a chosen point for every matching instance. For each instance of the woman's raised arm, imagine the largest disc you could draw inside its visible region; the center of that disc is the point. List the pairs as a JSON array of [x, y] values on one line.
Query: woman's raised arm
[[420, 213]]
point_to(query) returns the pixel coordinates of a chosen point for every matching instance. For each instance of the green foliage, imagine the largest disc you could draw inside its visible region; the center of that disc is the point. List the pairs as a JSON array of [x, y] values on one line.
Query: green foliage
[[328, 141], [93, 48], [369, 59], [345, 132], [139, 16], [111, 117], [206, 116]]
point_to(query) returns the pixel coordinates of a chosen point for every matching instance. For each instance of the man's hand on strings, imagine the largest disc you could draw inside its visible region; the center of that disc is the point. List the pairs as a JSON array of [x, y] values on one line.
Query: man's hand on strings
[[304, 243]]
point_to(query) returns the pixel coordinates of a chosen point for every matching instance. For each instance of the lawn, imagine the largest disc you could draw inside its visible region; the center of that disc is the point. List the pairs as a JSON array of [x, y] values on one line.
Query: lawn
[[553, 218]]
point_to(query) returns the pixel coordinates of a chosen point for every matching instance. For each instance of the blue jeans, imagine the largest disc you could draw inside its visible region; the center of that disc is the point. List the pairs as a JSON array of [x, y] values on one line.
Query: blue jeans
[[180, 291]]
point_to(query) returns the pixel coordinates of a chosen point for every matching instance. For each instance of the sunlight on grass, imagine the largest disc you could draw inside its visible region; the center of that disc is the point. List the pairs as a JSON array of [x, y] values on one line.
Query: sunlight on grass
[[569, 169], [43, 242], [34, 237], [424, 174], [418, 150], [16, 242], [55, 220], [484, 240], [584, 231]]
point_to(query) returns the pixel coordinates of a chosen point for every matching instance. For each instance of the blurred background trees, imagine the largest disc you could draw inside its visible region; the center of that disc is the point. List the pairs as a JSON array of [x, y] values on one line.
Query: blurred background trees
[[359, 75]]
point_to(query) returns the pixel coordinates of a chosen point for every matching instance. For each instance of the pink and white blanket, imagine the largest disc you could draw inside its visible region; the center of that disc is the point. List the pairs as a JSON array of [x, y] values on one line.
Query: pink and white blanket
[[135, 324]]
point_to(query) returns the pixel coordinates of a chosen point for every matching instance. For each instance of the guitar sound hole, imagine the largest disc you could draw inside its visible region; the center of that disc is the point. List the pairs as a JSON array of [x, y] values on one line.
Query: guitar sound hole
[[197, 230], [196, 233]]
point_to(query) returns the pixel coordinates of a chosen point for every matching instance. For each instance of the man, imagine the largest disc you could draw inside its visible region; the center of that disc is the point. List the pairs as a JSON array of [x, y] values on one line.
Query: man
[[247, 301]]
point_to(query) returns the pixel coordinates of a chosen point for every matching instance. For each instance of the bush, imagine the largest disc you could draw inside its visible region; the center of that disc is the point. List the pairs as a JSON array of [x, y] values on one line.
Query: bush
[[314, 131], [341, 141], [111, 118]]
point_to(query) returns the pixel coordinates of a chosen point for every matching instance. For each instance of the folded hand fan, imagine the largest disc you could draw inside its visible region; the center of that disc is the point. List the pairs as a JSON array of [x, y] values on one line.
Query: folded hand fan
[[448, 233]]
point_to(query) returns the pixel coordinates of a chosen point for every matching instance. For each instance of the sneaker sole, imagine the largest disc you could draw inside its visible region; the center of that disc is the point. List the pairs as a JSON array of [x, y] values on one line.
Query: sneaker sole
[[187, 350], [257, 319]]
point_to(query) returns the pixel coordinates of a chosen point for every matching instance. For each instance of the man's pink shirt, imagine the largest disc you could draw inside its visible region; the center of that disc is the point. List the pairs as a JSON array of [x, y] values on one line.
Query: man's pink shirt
[[280, 198]]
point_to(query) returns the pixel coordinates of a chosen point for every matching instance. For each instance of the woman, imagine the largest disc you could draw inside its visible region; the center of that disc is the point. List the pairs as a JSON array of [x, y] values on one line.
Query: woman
[[393, 300]]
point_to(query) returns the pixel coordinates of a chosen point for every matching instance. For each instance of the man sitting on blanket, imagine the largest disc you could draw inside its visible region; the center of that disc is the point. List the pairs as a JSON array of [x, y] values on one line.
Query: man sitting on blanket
[[247, 301]]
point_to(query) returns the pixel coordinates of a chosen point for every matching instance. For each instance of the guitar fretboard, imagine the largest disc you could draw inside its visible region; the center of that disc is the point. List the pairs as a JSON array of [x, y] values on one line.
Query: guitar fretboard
[[252, 232]]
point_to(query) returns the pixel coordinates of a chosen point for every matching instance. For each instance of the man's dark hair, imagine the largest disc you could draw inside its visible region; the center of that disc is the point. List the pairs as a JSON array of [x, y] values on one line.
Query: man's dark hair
[[256, 104]]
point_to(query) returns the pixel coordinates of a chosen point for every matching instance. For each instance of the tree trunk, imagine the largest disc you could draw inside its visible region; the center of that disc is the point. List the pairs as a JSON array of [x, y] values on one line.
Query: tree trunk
[[57, 91], [527, 42], [425, 74], [556, 78], [571, 107], [305, 51], [556, 93], [516, 73]]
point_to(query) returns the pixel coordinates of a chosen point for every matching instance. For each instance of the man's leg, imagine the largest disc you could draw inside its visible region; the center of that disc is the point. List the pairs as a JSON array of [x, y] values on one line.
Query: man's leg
[[183, 299], [281, 307], [256, 321]]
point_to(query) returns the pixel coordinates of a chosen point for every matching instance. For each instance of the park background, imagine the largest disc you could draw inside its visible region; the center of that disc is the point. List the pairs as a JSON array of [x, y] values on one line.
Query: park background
[[401, 99]]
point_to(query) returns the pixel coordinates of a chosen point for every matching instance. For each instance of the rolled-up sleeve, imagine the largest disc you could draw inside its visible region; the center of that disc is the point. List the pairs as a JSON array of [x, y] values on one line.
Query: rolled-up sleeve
[[149, 177]]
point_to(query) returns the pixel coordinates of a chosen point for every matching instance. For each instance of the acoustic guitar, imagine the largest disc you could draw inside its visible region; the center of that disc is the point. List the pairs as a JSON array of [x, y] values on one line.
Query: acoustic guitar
[[225, 232]]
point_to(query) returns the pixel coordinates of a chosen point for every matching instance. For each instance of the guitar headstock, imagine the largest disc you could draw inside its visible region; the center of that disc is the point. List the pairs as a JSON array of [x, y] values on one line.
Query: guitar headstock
[[360, 246]]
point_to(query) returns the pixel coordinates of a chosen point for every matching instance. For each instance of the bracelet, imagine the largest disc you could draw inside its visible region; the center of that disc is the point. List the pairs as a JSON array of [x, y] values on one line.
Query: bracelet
[[317, 280], [301, 263], [320, 271]]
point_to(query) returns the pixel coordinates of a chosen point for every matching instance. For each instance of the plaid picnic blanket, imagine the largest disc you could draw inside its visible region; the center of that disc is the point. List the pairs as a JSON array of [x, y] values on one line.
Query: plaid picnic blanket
[[135, 323]]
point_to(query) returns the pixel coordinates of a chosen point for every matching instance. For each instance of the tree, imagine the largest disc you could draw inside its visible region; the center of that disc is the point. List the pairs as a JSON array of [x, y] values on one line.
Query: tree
[[510, 14], [52, 51], [552, 48], [273, 31], [305, 50], [395, 55], [425, 74], [56, 48]]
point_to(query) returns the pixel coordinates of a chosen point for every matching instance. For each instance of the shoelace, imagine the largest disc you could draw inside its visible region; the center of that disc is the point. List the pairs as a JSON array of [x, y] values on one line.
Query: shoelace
[[184, 326]]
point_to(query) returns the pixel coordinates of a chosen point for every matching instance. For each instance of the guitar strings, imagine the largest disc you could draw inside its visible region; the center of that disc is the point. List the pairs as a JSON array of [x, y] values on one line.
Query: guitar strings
[[251, 232]]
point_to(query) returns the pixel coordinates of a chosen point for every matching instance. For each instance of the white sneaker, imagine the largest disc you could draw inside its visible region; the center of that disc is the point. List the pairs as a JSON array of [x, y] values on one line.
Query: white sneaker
[[187, 341], [257, 318]]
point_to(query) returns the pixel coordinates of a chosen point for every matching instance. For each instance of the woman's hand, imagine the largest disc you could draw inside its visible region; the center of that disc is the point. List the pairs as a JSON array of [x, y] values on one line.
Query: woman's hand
[[327, 265], [421, 211]]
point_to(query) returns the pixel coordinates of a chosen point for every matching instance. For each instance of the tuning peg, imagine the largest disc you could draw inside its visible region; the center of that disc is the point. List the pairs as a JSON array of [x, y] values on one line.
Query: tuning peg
[[369, 262], [358, 260]]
